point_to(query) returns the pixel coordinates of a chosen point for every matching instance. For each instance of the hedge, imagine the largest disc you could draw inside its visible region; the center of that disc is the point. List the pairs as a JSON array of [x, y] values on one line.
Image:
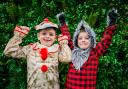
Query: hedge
[[113, 65]]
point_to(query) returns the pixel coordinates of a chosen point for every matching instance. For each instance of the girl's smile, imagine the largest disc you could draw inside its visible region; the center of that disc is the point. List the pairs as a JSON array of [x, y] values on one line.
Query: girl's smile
[[83, 40]]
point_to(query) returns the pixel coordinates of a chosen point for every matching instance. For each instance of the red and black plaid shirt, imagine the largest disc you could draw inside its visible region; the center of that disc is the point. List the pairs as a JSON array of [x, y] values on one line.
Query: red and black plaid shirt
[[85, 78]]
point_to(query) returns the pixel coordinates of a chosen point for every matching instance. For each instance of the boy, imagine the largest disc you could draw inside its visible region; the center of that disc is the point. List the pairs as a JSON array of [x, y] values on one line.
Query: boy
[[42, 57]]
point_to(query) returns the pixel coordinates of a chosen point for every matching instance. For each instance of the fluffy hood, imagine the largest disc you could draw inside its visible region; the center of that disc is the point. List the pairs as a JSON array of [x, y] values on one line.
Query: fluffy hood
[[80, 56], [88, 29]]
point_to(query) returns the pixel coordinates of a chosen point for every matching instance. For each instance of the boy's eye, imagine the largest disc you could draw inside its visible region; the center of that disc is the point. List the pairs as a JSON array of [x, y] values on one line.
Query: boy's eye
[[51, 34], [43, 33]]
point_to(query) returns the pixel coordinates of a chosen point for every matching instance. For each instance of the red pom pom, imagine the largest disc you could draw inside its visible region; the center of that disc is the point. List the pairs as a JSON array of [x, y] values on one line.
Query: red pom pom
[[46, 20], [44, 68], [44, 53]]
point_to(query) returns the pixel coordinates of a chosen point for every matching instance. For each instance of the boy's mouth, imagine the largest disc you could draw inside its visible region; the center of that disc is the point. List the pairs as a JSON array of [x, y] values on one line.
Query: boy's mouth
[[47, 39]]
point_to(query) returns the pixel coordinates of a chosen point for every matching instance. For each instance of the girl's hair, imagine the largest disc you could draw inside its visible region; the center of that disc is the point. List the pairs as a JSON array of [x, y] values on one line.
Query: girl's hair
[[82, 29]]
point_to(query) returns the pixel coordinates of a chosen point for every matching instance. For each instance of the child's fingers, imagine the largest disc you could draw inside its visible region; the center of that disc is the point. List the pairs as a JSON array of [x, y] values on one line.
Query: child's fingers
[[21, 31], [60, 35], [63, 39], [25, 29], [60, 38]]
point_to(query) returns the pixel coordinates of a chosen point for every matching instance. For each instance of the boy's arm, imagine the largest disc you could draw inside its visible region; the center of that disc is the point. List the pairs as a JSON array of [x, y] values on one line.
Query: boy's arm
[[64, 29], [65, 51], [13, 49], [105, 42]]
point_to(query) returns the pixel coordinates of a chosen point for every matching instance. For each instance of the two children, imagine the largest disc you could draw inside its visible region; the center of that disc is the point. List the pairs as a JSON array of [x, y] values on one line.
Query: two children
[[42, 57], [82, 72]]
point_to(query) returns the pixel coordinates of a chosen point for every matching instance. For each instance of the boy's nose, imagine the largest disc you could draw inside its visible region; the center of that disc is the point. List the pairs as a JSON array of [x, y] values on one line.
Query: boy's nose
[[47, 35], [48, 38]]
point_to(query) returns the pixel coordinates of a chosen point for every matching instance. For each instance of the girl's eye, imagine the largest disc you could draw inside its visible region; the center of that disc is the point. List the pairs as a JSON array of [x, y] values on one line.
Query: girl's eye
[[86, 37], [80, 38]]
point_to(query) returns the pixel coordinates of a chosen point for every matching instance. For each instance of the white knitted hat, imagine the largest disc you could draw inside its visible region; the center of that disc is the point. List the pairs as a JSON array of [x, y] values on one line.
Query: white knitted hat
[[46, 24]]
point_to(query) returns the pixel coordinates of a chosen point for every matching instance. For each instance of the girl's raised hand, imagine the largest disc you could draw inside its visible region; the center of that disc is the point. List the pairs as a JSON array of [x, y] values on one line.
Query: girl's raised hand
[[112, 17]]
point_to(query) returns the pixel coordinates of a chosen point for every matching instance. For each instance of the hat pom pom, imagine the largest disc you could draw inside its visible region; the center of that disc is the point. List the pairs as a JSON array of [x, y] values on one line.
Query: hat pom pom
[[46, 20]]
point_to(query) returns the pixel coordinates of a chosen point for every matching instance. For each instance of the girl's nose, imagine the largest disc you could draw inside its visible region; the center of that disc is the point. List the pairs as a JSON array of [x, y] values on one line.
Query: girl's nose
[[83, 40]]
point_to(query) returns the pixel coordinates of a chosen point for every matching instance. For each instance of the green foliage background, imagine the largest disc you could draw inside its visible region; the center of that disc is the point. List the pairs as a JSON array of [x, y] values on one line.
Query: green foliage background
[[113, 65]]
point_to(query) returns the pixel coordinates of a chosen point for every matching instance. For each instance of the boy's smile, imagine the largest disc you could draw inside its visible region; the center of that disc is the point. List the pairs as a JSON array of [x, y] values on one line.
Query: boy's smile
[[47, 36]]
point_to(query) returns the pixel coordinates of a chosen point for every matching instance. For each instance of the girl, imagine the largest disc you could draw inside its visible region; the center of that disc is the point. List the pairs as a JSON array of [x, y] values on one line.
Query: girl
[[82, 72], [42, 57]]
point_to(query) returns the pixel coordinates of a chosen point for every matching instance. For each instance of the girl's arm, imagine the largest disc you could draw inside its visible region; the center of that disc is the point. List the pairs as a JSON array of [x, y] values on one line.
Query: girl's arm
[[13, 49], [105, 42], [64, 29]]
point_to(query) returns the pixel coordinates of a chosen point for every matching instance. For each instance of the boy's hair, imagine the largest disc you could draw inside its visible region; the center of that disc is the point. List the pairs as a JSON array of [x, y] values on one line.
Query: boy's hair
[[47, 28]]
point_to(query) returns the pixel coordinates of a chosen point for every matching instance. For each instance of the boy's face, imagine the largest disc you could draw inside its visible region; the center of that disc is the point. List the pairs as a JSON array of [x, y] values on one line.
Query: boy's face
[[83, 40], [47, 36]]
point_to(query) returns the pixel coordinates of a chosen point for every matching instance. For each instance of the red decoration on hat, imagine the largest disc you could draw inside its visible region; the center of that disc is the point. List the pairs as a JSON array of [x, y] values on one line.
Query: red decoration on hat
[[46, 20], [44, 53], [44, 68]]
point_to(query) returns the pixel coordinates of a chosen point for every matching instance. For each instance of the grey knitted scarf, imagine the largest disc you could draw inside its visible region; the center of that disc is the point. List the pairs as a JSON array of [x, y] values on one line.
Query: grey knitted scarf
[[79, 57]]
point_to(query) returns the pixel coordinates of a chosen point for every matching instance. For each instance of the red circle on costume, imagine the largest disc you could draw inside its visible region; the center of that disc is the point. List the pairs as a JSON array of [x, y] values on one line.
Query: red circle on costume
[[44, 68], [44, 53]]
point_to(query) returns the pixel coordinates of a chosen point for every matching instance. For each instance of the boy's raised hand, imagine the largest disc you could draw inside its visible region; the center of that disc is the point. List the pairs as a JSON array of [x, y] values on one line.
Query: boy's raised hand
[[21, 31], [112, 17], [62, 39]]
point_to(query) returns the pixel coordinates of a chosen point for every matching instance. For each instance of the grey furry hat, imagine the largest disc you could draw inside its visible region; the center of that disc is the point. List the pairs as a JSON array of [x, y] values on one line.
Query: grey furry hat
[[87, 29]]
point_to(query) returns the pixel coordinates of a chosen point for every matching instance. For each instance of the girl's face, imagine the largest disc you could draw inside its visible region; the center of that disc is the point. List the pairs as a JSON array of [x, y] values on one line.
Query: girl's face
[[83, 40], [47, 36]]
